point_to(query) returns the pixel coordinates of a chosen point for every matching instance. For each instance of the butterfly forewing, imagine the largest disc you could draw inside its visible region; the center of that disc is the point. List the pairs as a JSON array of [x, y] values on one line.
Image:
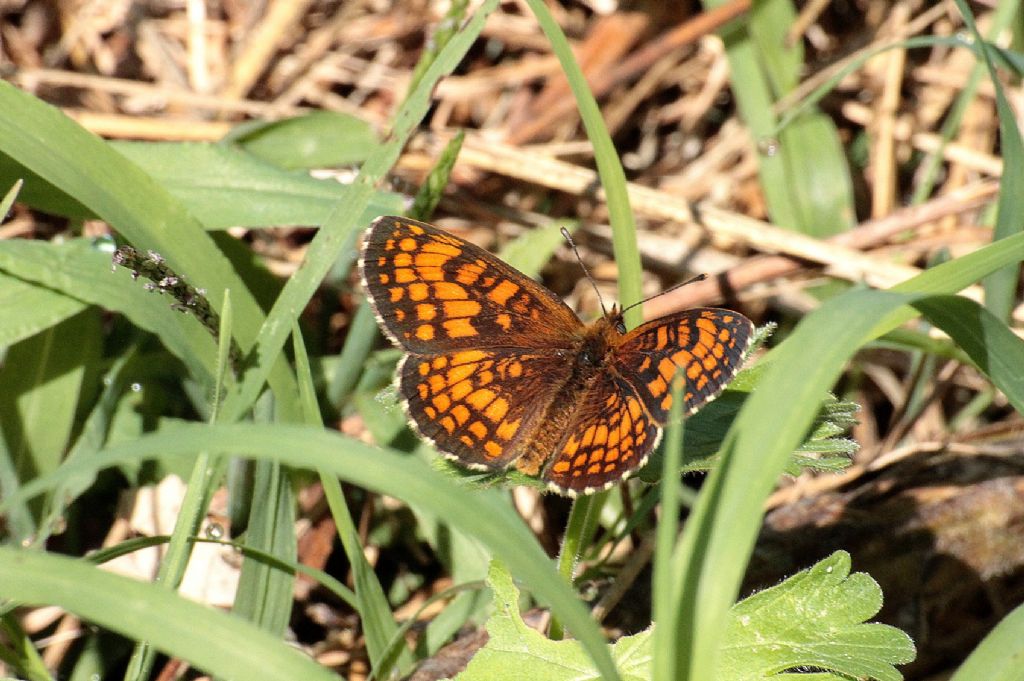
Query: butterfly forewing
[[435, 292], [703, 346]]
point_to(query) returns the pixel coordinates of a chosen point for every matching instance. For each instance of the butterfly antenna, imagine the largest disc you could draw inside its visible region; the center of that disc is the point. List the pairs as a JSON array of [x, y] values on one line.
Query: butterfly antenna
[[568, 237], [692, 280]]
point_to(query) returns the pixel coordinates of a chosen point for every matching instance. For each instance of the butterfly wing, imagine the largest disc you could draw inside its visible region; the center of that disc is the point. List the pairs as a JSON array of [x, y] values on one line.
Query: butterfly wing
[[434, 292], [610, 437], [703, 345], [477, 406]]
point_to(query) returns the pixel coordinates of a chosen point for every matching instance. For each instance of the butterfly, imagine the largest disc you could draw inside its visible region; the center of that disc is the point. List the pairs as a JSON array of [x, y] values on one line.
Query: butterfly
[[499, 371]]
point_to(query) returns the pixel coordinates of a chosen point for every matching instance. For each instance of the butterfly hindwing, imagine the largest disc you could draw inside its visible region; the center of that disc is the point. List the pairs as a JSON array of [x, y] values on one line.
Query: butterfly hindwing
[[610, 437], [477, 406]]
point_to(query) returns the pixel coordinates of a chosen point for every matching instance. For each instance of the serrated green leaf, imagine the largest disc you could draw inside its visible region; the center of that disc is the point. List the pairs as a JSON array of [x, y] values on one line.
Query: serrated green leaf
[[515, 652], [814, 619]]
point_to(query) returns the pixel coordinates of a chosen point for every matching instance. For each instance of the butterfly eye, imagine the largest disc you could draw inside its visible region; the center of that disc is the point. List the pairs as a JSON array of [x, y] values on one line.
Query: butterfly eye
[[620, 325]]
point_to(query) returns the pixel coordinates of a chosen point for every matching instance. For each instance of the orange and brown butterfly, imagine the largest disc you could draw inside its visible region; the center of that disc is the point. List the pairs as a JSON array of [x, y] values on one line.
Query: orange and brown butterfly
[[498, 371]]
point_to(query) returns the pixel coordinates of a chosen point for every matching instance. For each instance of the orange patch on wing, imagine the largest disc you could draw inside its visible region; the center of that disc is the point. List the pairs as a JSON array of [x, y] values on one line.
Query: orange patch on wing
[[461, 413], [667, 368], [446, 290], [461, 308], [448, 423], [424, 259], [657, 386], [467, 356], [662, 337], [447, 250], [402, 260], [404, 276], [479, 399], [437, 383], [425, 332], [425, 312], [478, 429], [407, 244], [459, 390], [503, 291], [418, 291], [504, 321], [496, 410], [458, 328], [507, 429], [460, 372], [493, 449], [705, 324], [441, 402]]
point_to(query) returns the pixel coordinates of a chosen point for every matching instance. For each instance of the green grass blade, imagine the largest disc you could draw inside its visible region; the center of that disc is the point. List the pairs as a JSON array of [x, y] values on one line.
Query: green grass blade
[[26, 310], [42, 378], [88, 170], [487, 518], [338, 233], [220, 644], [378, 622], [1000, 655], [666, 664], [720, 534], [1001, 286], [609, 168], [763, 70]]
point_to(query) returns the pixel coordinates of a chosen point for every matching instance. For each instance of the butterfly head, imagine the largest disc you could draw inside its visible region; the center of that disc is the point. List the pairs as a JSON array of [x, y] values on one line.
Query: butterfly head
[[615, 318]]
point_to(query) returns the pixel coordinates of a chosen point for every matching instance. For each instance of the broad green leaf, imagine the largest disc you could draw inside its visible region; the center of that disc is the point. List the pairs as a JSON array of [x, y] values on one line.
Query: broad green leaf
[[494, 524], [221, 644], [1000, 655], [226, 187], [80, 269], [530, 251], [319, 139], [25, 309], [41, 380], [88, 169], [815, 619], [515, 652]]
